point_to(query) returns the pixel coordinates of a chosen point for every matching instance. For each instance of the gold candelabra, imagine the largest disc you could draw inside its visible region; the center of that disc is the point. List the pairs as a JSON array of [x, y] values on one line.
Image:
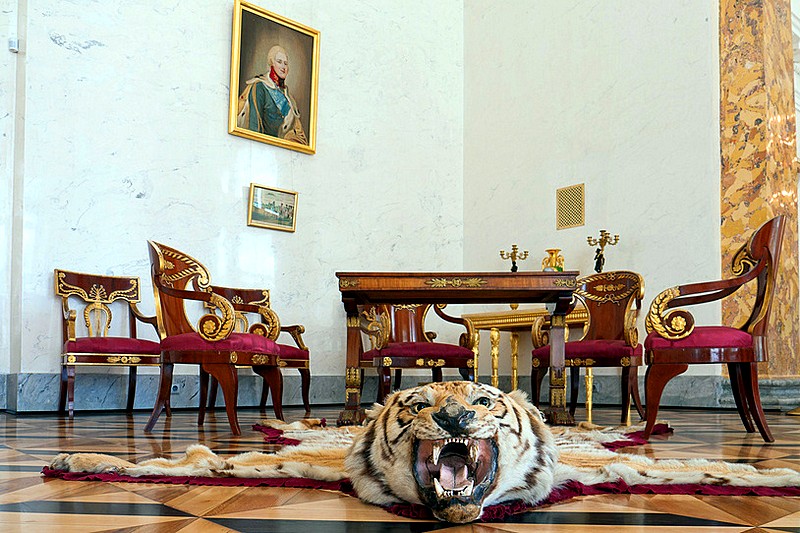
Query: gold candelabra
[[604, 240], [514, 255]]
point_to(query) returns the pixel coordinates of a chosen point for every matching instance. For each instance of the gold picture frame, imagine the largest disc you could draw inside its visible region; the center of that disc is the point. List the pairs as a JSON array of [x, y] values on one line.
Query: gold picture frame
[[274, 79], [269, 207]]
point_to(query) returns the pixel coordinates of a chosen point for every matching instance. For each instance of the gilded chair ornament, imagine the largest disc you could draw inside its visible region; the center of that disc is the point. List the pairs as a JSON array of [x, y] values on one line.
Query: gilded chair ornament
[[97, 317], [742, 261], [213, 327], [377, 325], [271, 321], [671, 324]]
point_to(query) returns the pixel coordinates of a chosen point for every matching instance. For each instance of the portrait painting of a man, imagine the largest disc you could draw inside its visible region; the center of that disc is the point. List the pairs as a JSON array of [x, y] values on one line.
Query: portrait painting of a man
[[273, 79]]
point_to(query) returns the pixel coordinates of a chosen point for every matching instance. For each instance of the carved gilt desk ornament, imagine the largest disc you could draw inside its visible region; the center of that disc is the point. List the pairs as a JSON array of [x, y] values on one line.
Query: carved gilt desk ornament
[[514, 255], [554, 262], [604, 240]]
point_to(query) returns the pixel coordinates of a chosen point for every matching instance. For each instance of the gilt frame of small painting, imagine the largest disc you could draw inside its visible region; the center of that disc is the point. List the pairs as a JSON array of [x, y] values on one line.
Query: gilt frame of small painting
[[268, 207]]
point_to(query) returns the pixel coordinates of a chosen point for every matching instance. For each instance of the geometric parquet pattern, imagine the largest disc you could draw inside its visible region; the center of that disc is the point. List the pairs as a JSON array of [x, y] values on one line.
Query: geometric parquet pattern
[[30, 503]]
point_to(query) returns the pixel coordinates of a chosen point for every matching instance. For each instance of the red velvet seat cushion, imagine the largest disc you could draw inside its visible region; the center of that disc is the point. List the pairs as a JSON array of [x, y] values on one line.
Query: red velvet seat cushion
[[418, 349], [244, 342], [116, 345], [292, 353], [702, 337], [600, 350]]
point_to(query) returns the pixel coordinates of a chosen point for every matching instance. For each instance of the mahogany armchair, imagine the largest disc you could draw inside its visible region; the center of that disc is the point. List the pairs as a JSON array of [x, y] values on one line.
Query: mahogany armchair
[[97, 295], [610, 339], [255, 302], [674, 342], [399, 340], [212, 344]]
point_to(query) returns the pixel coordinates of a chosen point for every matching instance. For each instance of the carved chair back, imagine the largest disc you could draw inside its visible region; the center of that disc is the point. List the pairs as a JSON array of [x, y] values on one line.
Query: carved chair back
[[612, 299], [393, 323], [250, 304], [96, 293]]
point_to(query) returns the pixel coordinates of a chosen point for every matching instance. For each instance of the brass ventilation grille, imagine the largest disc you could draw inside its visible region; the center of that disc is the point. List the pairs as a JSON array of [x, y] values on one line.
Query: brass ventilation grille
[[570, 207]]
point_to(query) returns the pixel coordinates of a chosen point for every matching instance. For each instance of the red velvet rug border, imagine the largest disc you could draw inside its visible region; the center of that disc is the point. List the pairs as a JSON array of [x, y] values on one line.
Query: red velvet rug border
[[490, 514]]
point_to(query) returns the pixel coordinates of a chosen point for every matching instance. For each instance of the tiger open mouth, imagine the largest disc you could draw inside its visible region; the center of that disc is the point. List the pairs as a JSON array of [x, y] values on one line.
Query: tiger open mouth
[[454, 471]]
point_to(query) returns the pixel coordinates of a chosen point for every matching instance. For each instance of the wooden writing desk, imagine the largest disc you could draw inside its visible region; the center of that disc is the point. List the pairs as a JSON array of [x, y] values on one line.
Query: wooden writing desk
[[515, 320], [359, 288]]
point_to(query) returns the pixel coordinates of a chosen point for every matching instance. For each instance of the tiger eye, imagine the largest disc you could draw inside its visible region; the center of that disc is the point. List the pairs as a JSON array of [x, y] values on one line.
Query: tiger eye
[[484, 401], [419, 406]]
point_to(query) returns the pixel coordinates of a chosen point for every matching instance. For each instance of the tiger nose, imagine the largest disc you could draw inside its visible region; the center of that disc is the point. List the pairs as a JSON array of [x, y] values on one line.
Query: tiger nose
[[453, 418]]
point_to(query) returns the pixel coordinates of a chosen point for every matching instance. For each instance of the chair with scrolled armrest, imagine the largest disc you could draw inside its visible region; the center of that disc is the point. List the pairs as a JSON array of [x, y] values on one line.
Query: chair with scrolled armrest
[[674, 342], [213, 344], [97, 294], [399, 340], [610, 339], [256, 301]]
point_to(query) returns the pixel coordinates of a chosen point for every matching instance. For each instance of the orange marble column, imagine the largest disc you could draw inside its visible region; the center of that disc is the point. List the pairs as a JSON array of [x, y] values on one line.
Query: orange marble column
[[758, 157]]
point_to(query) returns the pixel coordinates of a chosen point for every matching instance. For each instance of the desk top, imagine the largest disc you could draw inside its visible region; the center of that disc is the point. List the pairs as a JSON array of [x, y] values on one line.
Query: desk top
[[457, 287]]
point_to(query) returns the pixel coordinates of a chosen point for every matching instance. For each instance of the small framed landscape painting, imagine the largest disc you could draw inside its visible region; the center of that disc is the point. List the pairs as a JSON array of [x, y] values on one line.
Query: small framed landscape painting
[[272, 208]]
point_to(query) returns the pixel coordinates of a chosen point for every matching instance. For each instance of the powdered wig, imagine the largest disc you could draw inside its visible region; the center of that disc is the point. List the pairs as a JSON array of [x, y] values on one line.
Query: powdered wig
[[273, 52]]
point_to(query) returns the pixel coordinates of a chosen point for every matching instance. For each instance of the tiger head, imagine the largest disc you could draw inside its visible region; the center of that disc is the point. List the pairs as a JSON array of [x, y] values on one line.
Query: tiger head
[[454, 447]]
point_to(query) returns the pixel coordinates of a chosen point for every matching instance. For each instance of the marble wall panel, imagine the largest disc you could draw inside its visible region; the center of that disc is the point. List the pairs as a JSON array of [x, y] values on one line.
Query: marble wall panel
[[758, 158]]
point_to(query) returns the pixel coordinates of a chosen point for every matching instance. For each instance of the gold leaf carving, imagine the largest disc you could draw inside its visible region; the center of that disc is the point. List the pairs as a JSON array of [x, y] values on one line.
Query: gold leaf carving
[[471, 283]]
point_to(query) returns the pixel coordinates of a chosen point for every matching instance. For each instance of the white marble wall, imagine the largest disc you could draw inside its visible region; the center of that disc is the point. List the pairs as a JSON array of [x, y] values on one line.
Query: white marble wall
[[622, 96], [126, 140]]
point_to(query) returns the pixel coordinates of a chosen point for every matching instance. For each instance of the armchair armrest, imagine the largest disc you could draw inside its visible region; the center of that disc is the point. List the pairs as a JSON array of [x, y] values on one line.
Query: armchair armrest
[[674, 324], [296, 331], [466, 339], [68, 326], [152, 320], [211, 326]]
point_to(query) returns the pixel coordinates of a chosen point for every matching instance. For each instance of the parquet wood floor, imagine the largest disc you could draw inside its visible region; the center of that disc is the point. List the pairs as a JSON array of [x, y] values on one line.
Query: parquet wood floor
[[30, 503]]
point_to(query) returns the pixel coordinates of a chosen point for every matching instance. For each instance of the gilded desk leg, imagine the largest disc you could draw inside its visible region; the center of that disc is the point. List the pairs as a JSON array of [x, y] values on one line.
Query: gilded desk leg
[[476, 346], [494, 336], [557, 413], [514, 358], [352, 414], [589, 381]]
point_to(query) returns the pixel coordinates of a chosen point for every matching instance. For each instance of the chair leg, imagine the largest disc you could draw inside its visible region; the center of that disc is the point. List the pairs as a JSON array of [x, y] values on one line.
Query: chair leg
[[201, 412], [131, 388], [750, 377], [574, 386], [637, 400], [262, 403], [655, 380], [228, 379], [384, 383], [467, 374], [739, 396], [305, 385], [274, 378], [625, 393], [71, 390], [537, 377], [436, 376], [62, 392], [398, 378], [213, 388], [164, 390]]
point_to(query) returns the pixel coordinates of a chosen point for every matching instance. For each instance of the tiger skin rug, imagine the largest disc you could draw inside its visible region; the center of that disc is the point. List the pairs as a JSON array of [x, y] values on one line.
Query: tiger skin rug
[[457, 449]]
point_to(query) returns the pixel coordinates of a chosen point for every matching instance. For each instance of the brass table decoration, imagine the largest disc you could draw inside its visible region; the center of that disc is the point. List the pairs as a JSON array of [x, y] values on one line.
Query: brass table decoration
[[554, 262], [514, 255], [604, 240]]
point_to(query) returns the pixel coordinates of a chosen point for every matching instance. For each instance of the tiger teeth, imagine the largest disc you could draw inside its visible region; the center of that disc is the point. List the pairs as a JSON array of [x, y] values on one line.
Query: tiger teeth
[[437, 449], [438, 487], [473, 453], [441, 493]]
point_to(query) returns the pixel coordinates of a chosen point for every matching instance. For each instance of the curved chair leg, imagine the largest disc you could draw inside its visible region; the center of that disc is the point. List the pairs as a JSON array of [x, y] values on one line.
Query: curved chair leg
[[62, 392], [436, 375], [398, 379], [739, 396], [574, 386], [164, 390], [625, 392], [537, 377], [750, 377], [213, 387], [228, 379], [71, 390], [467, 374], [657, 376], [201, 412], [305, 385], [384, 382], [131, 388], [274, 377], [637, 400], [262, 403]]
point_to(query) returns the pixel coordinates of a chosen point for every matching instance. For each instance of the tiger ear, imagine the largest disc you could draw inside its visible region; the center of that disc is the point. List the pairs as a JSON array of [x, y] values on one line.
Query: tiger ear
[[373, 413], [521, 398]]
